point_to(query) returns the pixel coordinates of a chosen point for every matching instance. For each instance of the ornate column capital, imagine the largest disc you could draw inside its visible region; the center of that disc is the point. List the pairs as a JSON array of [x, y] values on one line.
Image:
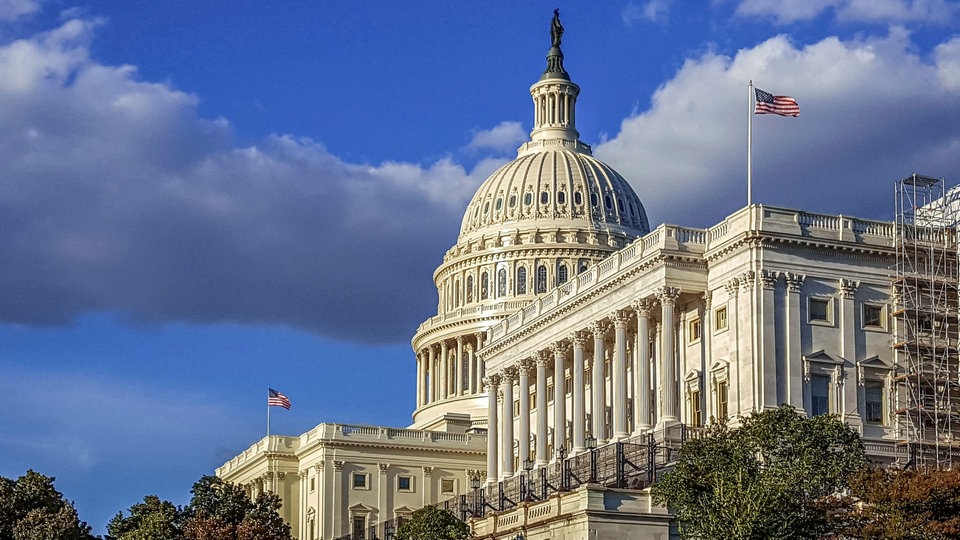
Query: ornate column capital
[[318, 467], [598, 329], [338, 465], [644, 307], [706, 300], [794, 281], [509, 375], [848, 287], [302, 475], [383, 467], [768, 279], [543, 359], [668, 295], [460, 341], [732, 286], [620, 318], [428, 471], [560, 348], [748, 280], [579, 339], [525, 365], [492, 381]]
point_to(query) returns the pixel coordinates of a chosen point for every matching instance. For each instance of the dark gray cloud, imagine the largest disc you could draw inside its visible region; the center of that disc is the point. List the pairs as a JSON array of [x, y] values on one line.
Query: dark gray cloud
[[115, 196]]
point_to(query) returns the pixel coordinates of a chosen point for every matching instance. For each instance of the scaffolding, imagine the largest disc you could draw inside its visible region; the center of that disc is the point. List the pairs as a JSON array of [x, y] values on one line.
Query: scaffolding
[[926, 327]]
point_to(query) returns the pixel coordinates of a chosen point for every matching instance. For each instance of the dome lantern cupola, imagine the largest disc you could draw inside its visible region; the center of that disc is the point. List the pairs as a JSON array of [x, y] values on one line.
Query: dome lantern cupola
[[555, 97]]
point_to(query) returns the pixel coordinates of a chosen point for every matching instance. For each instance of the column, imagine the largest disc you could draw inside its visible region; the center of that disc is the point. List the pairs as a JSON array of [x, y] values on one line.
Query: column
[[599, 407], [480, 371], [793, 354], [579, 414], [337, 522], [471, 369], [433, 373], [619, 375], [524, 367], [419, 380], [771, 386], [493, 384], [706, 360], [543, 358], [733, 328], [509, 377], [668, 377], [559, 396], [383, 489], [458, 377], [641, 400], [444, 370], [849, 402]]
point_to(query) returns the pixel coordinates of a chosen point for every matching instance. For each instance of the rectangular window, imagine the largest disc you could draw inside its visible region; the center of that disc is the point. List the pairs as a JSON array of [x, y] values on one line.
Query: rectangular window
[[533, 400], [550, 393], [819, 309], [313, 484], [695, 330], [404, 483], [872, 316], [567, 385], [447, 485], [359, 481], [873, 402], [722, 399], [720, 319], [696, 412], [516, 407], [820, 394]]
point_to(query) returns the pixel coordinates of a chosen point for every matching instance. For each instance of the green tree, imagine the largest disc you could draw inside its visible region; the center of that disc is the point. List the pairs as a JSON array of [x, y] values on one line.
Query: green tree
[[429, 523], [771, 478], [32, 509], [222, 511], [150, 520]]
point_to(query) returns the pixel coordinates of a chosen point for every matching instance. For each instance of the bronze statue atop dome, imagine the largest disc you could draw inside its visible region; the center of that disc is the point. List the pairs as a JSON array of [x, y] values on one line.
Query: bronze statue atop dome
[[556, 29]]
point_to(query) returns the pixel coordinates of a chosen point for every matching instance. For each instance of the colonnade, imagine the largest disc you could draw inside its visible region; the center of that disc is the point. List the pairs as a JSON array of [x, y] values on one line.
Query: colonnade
[[632, 337], [449, 368]]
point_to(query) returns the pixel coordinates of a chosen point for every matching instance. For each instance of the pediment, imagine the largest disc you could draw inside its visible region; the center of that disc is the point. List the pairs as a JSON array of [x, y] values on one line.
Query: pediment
[[874, 362], [823, 358]]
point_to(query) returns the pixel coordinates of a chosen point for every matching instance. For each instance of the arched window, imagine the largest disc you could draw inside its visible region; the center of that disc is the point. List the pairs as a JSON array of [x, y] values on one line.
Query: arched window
[[502, 282], [484, 286], [541, 279], [583, 267], [456, 293], [469, 289], [562, 274], [522, 280], [578, 198], [561, 198]]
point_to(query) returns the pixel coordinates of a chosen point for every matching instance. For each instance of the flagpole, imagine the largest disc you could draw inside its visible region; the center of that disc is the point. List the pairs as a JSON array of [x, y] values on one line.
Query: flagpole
[[750, 95], [268, 413]]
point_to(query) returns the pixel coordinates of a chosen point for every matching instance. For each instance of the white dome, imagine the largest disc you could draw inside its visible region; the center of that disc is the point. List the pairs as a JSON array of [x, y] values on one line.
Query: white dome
[[558, 186]]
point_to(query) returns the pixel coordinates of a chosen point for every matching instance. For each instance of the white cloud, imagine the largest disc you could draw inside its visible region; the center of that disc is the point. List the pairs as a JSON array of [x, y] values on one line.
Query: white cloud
[[503, 137], [874, 11], [652, 11], [116, 196], [871, 111], [11, 10]]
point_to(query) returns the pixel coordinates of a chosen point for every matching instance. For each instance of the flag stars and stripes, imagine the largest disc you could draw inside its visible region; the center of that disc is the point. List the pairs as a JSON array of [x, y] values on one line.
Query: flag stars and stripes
[[768, 103], [276, 399]]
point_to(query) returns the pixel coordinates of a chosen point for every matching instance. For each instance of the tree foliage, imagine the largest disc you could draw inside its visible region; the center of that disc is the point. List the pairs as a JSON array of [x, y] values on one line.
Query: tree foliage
[[768, 479], [32, 509], [217, 511], [222, 511], [900, 505], [429, 523]]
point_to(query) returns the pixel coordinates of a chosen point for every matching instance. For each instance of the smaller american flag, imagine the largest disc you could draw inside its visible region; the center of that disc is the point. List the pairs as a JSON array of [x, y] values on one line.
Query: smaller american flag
[[768, 103], [276, 399]]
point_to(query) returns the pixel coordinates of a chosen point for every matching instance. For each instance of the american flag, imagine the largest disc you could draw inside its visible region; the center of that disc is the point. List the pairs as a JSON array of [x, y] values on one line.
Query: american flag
[[768, 103], [276, 399]]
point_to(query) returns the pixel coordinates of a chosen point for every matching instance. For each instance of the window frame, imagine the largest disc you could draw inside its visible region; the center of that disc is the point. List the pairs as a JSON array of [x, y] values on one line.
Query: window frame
[[721, 314], [366, 481], [828, 310]]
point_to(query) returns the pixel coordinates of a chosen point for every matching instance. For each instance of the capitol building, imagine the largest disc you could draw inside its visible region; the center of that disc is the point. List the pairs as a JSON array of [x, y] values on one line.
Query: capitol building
[[575, 348]]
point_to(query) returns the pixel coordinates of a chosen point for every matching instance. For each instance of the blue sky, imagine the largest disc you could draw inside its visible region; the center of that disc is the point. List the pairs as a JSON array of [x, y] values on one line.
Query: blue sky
[[200, 199]]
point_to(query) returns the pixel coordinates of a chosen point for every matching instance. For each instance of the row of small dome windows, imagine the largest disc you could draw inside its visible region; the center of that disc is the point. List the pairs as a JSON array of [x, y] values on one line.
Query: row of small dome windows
[[539, 285], [561, 199]]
